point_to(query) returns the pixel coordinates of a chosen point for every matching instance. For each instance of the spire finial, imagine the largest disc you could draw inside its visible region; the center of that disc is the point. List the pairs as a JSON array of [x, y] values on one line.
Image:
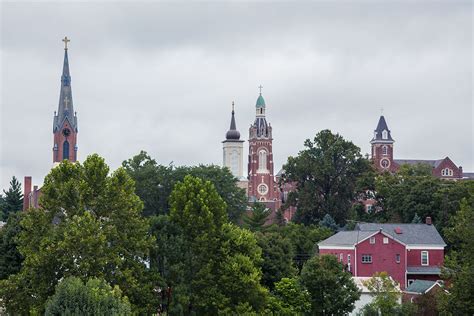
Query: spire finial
[[232, 106], [65, 40], [260, 87]]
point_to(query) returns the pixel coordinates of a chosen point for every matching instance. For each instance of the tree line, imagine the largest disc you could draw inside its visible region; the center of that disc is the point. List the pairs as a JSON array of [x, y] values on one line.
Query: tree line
[[154, 238]]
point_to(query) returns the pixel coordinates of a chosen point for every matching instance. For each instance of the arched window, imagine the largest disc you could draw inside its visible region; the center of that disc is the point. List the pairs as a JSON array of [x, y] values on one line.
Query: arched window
[[384, 150], [447, 172], [262, 160], [384, 134], [66, 150]]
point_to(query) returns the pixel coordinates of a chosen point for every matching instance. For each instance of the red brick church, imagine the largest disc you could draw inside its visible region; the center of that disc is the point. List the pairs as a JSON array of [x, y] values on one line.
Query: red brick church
[[383, 160]]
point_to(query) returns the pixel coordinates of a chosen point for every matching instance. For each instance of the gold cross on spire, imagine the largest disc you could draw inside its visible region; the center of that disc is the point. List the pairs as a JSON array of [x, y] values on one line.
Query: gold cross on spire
[[260, 87], [65, 40]]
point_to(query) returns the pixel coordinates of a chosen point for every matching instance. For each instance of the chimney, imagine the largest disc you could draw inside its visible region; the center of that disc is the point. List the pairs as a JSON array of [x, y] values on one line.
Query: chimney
[[26, 193], [428, 220]]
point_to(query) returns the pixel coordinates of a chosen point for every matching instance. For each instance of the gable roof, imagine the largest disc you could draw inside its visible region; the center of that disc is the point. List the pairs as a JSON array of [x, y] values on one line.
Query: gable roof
[[346, 238], [432, 163], [421, 286], [412, 234]]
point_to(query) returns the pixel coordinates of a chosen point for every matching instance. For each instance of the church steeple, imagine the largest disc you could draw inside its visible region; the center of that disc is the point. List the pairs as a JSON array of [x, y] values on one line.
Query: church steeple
[[233, 148], [232, 133], [65, 120]]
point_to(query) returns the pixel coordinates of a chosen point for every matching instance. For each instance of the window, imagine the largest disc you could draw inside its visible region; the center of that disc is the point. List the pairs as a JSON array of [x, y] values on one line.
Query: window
[[366, 258], [341, 257], [447, 172], [385, 240], [262, 159], [372, 240], [384, 134], [384, 150], [425, 258], [262, 188], [66, 150], [397, 258], [348, 259]]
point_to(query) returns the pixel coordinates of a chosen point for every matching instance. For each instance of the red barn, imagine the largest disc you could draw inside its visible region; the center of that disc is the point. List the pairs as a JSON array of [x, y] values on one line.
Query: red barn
[[407, 252]]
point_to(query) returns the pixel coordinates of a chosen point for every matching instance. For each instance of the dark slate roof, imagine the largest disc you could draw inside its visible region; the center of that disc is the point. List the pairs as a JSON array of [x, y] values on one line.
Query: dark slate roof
[[432, 163], [261, 126], [420, 286], [65, 107], [424, 270], [232, 133], [346, 238], [381, 126], [412, 234]]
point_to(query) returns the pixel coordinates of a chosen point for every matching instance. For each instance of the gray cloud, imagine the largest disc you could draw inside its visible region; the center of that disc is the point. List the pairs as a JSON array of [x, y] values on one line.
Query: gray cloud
[[161, 77]]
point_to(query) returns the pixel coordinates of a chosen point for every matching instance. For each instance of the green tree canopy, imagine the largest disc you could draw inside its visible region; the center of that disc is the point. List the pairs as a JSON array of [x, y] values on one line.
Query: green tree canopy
[[10, 258], [459, 264], [290, 298], [155, 182], [89, 225], [95, 297], [12, 201], [326, 174], [209, 265], [255, 221], [385, 292], [278, 254], [331, 289]]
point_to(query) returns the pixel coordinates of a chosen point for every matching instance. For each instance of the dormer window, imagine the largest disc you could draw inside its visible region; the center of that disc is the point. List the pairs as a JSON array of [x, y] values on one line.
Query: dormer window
[[384, 150], [384, 134]]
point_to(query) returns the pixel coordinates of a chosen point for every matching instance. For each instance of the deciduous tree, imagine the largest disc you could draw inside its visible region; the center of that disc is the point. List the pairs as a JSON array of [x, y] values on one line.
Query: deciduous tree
[[331, 289], [325, 173]]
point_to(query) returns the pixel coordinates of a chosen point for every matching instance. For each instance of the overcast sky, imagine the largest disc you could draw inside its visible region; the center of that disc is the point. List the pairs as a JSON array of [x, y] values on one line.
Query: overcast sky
[[162, 76]]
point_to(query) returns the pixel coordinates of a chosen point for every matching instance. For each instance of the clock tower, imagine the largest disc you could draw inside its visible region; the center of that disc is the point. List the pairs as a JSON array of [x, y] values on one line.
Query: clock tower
[[382, 148], [65, 120]]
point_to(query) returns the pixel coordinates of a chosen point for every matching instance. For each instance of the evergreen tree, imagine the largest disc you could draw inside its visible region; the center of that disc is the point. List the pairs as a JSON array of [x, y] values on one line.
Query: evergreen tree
[[416, 219], [328, 222], [255, 221], [10, 258], [13, 199]]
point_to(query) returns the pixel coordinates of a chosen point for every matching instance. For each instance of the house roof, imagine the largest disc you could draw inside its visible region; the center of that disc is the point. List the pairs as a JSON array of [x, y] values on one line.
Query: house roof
[[423, 270], [411, 234], [420, 286], [432, 163], [346, 238], [468, 175]]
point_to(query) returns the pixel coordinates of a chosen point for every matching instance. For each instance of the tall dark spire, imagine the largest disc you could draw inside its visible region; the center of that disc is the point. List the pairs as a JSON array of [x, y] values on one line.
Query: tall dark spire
[[381, 132], [232, 133], [65, 107]]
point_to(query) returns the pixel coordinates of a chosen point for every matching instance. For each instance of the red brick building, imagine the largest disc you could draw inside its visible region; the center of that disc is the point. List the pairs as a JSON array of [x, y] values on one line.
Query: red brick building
[[64, 132], [383, 156], [407, 252]]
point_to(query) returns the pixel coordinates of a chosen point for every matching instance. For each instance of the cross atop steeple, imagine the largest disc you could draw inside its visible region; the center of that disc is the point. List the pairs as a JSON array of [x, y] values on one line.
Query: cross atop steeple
[[65, 40], [260, 87]]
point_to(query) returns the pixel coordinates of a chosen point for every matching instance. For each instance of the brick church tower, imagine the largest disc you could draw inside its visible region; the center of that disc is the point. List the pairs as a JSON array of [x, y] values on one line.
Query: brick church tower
[[382, 148], [65, 120], [261, 186]]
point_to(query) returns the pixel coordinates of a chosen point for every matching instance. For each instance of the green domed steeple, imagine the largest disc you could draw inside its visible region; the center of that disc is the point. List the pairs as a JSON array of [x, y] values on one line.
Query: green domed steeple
[[260, 102]]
